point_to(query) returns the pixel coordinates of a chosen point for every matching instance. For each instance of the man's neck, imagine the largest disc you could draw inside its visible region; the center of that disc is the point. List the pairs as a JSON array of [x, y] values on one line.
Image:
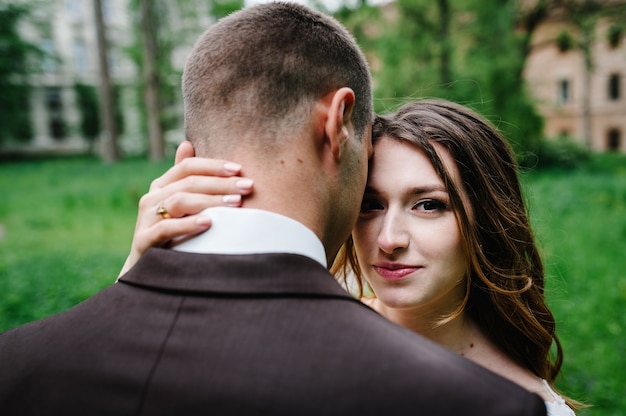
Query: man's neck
[[287, 185]]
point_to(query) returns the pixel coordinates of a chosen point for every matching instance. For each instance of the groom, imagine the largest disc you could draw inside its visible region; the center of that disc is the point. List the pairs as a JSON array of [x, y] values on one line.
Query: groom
[[246, 319]]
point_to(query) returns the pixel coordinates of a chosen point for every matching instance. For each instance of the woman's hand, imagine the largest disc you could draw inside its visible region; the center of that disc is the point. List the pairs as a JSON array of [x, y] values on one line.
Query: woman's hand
[[169, 210]]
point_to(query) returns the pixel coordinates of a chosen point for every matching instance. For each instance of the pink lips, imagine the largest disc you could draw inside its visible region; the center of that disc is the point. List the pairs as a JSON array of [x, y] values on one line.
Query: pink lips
[[392, 271]]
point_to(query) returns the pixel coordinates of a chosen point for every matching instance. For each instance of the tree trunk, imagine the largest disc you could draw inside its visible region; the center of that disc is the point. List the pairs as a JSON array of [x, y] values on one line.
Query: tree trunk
[[586, 43], [444, 37], [529, 21], [151, 94], [110, 150]]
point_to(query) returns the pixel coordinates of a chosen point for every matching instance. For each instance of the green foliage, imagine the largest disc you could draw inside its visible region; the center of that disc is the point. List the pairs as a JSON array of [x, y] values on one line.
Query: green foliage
[[15, 122], [222, 8], [118, 108], [410, 51], [17, 57], [15, 51], [564, 41], [560, 153], [496, 61], [359, 21], [465, 51], [88, 105], [614, 35], [614, 163]]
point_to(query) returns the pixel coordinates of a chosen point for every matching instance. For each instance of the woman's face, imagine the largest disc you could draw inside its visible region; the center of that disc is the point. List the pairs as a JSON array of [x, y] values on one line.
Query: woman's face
[[407, 238]]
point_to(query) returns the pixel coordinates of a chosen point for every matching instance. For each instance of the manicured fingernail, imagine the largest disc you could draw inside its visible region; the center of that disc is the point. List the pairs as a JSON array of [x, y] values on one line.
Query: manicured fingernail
[[244, 184], [232, 200], [203, 220], [232, 167]]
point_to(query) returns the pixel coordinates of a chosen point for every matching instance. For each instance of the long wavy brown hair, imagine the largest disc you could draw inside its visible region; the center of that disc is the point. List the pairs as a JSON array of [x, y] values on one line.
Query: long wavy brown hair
[[505, 283]]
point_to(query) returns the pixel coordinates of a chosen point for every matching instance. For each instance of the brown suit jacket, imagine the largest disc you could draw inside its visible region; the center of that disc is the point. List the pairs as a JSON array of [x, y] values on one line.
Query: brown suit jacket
[[271, 334]]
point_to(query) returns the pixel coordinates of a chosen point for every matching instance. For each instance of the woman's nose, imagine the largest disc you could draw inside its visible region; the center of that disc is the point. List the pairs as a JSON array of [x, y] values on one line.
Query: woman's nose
[[393, 235]]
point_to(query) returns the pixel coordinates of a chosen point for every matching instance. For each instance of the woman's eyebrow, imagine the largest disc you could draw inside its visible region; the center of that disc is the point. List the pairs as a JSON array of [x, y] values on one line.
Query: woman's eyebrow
[[429, 188], [414, 191]]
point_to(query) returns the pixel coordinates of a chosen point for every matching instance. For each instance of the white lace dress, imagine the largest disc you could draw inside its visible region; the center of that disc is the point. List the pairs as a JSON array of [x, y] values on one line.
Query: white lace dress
[[558, 407]]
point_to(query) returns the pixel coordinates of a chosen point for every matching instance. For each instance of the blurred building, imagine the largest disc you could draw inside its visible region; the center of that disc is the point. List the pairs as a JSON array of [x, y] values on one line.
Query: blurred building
[[584, 100], [67, 86], [68, 35], [585, 103]]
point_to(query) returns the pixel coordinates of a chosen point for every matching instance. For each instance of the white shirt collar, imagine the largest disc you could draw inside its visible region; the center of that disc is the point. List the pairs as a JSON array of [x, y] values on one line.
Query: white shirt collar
[[249, 231]]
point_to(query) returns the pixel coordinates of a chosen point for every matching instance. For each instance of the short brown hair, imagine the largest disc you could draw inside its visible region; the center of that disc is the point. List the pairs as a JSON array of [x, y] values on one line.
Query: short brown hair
[[259, 70]]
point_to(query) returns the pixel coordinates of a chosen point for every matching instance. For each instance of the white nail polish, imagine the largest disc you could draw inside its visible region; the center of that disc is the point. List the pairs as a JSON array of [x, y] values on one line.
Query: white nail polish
[[231, 199], [231, 167], [244, 184]]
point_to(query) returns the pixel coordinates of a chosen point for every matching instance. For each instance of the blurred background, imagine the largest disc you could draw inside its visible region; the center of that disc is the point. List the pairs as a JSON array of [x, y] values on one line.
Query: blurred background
[[91, 112]]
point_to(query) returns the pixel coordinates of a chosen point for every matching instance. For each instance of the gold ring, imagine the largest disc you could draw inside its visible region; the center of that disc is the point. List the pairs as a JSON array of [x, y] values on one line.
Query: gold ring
[[160, 210]]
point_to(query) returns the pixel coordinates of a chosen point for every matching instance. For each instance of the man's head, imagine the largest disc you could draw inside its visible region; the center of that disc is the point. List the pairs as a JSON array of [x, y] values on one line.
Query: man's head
[[286, 91], [257, 73]]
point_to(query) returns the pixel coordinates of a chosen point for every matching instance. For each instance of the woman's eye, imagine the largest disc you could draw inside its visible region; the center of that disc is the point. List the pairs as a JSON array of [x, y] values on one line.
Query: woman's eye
[[370, 205], [431, 205]]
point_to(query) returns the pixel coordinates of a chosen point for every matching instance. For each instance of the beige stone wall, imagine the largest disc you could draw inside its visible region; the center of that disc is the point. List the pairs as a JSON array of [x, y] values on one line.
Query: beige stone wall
[[547, 67]]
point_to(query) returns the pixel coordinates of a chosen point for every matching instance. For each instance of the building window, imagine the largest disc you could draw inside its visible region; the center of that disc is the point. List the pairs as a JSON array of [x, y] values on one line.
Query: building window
[[54, 105], [564, 92], [49, 62], [107, 12], [614, 87], [615, 36], [81, 59], [564, 42], [614, 140], [113, 60], [75, 10]]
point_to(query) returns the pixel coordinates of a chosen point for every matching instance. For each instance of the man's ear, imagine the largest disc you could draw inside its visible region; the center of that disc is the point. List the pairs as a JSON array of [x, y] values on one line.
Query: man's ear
[[183, 151], [339, 117]]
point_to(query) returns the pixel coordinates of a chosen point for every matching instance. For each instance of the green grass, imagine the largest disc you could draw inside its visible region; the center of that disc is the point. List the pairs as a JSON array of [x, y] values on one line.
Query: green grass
[[66, 227], [580, 220]]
